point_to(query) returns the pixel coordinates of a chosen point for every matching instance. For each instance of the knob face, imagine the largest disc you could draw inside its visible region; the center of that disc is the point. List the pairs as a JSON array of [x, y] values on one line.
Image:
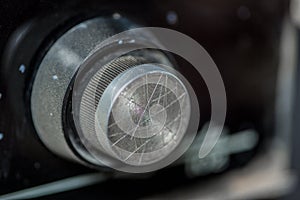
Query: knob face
[[142, 115], [130, 113]]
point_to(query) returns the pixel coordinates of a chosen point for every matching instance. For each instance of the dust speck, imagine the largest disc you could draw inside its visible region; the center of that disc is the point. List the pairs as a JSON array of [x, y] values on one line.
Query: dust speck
[[116, 16], [172, 17], [22, 69]]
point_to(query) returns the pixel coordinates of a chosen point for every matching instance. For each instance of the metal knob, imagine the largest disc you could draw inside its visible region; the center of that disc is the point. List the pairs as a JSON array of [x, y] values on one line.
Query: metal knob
[[141, 115], [129, 111]]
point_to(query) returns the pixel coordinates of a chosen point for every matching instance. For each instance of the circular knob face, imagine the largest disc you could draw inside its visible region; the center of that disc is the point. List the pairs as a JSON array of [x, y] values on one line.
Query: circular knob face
[[135, 114], [142, 115]]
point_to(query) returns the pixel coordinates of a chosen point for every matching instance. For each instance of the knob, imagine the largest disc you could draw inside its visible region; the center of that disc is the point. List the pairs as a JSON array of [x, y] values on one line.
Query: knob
[[127, 112]]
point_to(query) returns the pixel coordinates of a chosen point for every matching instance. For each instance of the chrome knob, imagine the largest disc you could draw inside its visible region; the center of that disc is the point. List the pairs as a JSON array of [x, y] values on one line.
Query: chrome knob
[[129, 111], [141, 115]]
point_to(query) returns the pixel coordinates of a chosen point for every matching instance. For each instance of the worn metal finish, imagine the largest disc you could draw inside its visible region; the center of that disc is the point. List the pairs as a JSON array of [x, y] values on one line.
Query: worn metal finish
[[55, 73]]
